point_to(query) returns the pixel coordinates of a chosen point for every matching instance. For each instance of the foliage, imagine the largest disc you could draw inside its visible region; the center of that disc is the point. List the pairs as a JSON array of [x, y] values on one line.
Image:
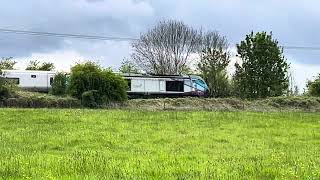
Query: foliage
[[26, 99], [4, 90], [213, 63], [37, 66], [272, 104], [314, 87], [165, 49], [59, 84], [7, 63], [95, 144], [90, 76], [296, 91], [91, 99], [128, 66], [263, 72]]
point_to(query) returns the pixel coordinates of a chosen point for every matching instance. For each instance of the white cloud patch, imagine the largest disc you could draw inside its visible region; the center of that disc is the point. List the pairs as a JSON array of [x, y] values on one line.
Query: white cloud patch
[[304, 72], [63, 60]]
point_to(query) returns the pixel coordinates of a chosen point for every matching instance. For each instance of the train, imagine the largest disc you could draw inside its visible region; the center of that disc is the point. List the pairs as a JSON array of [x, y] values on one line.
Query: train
[[139, 85], [146, 85]]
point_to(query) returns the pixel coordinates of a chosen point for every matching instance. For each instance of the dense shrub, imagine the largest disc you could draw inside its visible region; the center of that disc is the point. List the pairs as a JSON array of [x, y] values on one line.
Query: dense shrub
[[90, 76], [59, 85], [314, 87], [91, 99], [4, 90]]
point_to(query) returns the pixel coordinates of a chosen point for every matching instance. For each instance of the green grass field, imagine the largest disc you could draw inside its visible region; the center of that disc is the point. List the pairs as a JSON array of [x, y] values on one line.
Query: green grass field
[[97, 144]]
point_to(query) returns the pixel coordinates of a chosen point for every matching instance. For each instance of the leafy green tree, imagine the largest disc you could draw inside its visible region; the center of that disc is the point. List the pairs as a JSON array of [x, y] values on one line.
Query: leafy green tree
[[263, 72], [128, 66], [314, 87], [7, 63], [90, 76], [59, 84], [213, 63], [37, 66]]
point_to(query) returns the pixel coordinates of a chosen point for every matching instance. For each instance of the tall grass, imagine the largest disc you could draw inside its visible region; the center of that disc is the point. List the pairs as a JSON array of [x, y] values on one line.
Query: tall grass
[[97, 144]]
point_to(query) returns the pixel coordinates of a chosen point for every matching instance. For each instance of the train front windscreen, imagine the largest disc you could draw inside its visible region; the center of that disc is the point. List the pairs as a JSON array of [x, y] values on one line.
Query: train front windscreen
[[200, 85]]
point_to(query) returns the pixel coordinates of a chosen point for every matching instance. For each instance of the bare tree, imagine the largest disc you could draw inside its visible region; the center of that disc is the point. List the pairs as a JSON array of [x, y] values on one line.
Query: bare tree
[[165, 49], [214, 59], [127, 66], [213, 40]]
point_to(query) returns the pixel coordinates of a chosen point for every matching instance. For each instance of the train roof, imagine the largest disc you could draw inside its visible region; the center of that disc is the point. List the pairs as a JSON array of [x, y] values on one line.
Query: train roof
[[28, 71], [155, 76]]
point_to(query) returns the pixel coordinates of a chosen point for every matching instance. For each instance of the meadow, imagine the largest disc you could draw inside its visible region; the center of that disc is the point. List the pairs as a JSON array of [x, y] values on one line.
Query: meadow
[[105, 144]]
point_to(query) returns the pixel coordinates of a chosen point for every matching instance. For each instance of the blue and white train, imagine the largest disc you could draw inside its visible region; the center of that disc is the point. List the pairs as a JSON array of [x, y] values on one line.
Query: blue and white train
[[165, 85], [140, 85]]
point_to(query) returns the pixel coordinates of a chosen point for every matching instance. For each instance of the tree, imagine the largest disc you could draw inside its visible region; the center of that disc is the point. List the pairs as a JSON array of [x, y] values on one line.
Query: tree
[[128, 66], [263, 72], [59, 84], [314, 87], [165, 49], [213, 63], [90, 76], [4, 90], [7, 63], [296, 91], [37, 66]]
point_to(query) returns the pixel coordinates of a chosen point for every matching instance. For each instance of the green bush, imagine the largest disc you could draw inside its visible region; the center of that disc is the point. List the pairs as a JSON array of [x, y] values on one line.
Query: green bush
[[90, 76], [4, 90], [91, 99], [59, 85], [314, 87]]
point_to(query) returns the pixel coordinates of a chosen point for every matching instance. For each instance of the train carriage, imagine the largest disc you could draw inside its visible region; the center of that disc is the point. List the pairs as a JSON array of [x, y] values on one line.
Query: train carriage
[[39, 81], [165, 85], [140, 85]]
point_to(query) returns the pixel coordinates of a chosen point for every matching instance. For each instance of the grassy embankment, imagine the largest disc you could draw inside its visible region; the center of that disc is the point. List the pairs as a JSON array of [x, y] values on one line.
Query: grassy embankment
[[91, 144], [23, 99]]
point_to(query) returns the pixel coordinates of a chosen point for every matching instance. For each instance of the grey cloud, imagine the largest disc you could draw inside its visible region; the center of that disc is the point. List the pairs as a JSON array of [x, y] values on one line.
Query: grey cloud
[[293, 22], [65, 16]]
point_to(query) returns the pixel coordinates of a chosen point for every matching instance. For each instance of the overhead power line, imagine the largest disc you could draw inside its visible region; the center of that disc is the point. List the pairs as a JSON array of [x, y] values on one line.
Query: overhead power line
[[111, 38], [62, 35]]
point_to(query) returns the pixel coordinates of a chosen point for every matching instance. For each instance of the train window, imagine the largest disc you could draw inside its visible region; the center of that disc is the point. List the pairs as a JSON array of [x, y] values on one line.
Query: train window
[[13, 80], [129, 84], [51, 80], [176, 86], [200, 84], [33, 76]]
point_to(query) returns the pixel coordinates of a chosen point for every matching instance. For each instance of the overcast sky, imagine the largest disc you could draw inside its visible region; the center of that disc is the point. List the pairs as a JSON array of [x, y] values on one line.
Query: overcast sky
[[293, 23]]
